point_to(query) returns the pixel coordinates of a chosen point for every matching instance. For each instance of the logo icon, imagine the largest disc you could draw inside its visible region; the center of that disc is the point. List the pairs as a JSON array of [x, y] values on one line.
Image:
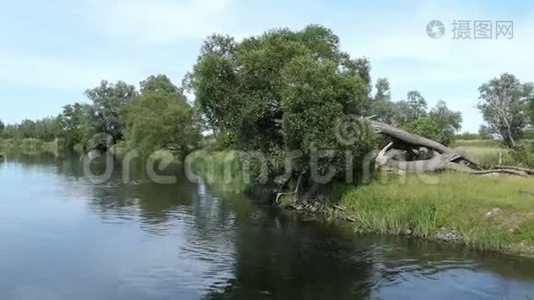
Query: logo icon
[[435, 29]]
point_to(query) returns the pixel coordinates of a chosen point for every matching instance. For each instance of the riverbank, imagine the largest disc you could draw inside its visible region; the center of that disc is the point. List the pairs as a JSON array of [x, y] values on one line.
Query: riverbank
[[494, 213], [29, 146], [487, 213]]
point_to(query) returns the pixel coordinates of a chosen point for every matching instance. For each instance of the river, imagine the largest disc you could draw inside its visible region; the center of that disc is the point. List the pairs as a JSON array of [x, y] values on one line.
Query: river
[[65, 237]]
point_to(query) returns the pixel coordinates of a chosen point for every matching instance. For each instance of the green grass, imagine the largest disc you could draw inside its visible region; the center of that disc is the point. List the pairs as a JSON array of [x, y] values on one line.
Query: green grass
[[424, 205], [28, 146], [477, 143], [488, 156], [491, 153], [451, 201]]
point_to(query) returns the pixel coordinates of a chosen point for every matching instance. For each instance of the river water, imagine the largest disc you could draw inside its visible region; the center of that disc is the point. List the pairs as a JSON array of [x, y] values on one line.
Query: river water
[[64, 237]]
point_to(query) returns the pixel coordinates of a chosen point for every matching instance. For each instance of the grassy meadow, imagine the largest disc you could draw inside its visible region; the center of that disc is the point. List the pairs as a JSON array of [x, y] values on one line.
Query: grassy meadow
[[491, 153], [488, 152], [484, 212], [489, 213]]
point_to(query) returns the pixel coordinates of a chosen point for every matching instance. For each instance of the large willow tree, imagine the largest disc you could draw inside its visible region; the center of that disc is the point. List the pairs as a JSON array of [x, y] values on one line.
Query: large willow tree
[[283, 90], [160, 118]]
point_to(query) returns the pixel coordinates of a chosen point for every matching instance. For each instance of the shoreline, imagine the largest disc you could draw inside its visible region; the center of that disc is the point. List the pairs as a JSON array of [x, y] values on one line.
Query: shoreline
[[443, 235], [493, 213], [490, 214]]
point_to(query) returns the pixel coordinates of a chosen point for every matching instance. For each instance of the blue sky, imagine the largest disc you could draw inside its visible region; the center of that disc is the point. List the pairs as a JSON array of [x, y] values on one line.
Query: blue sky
[[51, 51]]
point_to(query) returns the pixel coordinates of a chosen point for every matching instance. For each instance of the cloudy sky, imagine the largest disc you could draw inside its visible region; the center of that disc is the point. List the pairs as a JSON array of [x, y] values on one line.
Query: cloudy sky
[[51, 51]]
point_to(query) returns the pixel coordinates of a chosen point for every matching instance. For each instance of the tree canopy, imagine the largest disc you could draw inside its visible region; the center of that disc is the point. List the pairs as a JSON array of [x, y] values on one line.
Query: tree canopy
[[109, 101], [504, 105], [438, 123], [281, 90], [76, 122], [381, 106], [161, 118], [160, 84], [157, 117]]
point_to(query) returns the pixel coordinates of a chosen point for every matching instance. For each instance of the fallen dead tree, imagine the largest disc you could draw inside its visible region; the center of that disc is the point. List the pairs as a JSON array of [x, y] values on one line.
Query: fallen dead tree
[[438, 157], [522, 169]]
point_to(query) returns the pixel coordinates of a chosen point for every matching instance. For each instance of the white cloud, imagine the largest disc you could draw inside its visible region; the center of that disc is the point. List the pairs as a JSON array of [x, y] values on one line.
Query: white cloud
[[157, 21]]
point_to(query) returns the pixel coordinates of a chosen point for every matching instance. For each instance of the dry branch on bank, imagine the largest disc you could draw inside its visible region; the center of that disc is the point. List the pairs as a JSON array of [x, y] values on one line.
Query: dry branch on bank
[[438, 156]]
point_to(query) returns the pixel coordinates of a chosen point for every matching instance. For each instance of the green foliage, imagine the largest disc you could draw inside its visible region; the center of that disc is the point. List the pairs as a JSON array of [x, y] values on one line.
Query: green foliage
[[469, 136], [109, 104], [428, 205], [381, 106], [224, 141], [489, 143], [161, 118], [492, 153], [28, 146], [159, 84], [281, 90], [99, 124], [26, 128], [77, 126], [424, 126], [520, 155], [316, 97], [489, 153], [215, 83], [411, 109], [412, 114], [528, 134], [45, 129], [485, 132], [503, 105], [158, 118], [440, 124]]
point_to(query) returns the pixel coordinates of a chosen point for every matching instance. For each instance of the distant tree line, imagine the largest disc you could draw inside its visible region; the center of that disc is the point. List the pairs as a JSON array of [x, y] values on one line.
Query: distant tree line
[[45, 129], [157, 116]]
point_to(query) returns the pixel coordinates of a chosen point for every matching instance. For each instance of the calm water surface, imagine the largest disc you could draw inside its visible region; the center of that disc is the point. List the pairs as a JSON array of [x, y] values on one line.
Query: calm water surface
[[63, 237]]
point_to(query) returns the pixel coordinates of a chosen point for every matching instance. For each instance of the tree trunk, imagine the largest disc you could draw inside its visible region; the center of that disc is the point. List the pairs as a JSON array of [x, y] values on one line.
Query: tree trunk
[[415, 140], [444, 158], [443, 162]]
